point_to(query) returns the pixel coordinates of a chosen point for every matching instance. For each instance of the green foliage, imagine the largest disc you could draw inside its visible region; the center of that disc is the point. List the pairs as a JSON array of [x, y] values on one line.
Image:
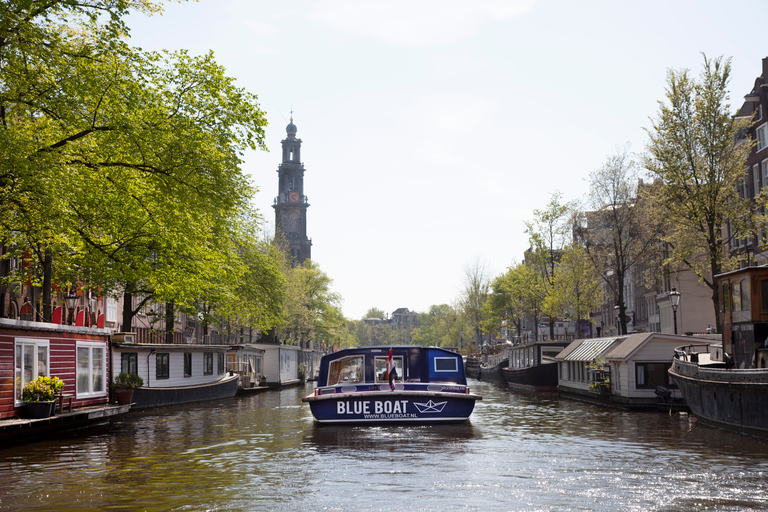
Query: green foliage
[[127, 381], [120, 169], [375, 313], [312, 310], [696, 152], [476, 287], [549, 233], [437, 327]]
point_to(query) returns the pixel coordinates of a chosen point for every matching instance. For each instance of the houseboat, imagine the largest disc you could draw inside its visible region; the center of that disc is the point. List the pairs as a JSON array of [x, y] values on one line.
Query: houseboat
[[532, 366], [727, 386], [77, 355], [399, 384], [174, 373], [623, 371]]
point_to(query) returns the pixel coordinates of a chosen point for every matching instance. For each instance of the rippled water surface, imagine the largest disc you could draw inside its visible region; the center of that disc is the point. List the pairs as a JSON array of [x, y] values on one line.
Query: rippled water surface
[[264, 452]]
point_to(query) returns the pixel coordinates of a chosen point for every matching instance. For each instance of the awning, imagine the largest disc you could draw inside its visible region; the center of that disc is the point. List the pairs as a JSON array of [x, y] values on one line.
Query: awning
[[591, 349]]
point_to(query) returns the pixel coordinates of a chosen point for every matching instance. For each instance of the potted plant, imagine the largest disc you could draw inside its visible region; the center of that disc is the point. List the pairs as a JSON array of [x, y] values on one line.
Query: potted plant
[[263, 380], [38, 396], [124, 385]]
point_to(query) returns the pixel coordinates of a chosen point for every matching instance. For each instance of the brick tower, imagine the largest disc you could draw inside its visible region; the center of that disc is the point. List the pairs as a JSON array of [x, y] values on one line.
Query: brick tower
[[291, 204]]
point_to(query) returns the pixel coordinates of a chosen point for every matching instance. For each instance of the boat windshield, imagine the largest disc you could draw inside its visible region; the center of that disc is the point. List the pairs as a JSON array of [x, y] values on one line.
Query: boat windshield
[[346, 370], [381, 368]]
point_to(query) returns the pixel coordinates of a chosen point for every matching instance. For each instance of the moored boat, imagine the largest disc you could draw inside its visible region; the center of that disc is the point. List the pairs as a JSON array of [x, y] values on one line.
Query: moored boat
[[727, 386], [174, 374], [532, 367], [401, 384]]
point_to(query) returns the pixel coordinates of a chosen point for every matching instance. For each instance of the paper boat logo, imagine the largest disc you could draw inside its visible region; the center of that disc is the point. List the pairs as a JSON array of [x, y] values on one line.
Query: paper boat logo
[[430, 406]]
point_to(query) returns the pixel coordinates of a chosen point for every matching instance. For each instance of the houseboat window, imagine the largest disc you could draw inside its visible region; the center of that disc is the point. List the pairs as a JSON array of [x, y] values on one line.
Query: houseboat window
[[187, 364], [348, 369], [651, 375], [162, 365], [220, 367], [446, 364], [91, 369], [129, 362], [725, 298], [31, 362], [207, 363], [746, 301], [764, 294], [736, 295], [380, 363]]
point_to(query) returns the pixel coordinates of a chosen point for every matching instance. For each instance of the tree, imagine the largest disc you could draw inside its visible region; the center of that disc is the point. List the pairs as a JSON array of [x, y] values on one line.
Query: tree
[[696, 153], [435, 327], [548, 234], [519, 293], [616, 233], [121, 168], [375, 313], [578, 288], [313, 311], [476, 285], [48, 54]]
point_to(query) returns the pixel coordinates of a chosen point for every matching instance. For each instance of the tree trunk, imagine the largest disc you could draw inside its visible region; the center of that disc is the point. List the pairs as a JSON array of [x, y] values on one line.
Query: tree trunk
[[47, 285], [127, 309], [169, 321]]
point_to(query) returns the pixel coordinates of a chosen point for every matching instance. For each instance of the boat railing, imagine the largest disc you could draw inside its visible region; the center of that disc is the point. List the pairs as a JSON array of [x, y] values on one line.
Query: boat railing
[[693, 352], [497, 359]]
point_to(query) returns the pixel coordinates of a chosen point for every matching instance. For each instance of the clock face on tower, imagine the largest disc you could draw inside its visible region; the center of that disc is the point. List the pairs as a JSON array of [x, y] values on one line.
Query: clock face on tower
[[293, 197]]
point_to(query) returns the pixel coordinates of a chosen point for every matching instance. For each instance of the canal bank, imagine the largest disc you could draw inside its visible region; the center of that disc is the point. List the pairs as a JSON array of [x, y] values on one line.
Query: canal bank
[[265, 452]]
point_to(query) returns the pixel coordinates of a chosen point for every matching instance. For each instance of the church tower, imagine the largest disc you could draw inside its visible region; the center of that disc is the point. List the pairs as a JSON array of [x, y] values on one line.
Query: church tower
[[291, 203]]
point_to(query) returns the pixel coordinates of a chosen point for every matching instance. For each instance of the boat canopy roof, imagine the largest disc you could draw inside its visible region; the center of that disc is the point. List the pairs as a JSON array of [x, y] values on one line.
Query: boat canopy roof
[[412, 364]]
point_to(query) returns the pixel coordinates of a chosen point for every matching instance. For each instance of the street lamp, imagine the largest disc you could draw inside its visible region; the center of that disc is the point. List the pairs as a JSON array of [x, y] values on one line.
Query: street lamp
[[617, 309], [674, 300], [71, 300]]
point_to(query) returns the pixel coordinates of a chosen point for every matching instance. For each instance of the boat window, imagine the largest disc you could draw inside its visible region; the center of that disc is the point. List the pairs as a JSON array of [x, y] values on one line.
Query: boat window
[[380, 364], [446, 364], [764, 294], [651, 375], [348, 369], [736, 295], [746, 302]]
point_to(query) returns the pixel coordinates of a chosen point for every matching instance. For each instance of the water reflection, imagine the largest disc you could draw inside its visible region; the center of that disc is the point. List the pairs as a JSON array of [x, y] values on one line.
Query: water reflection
[[330, 438], [265, 452]]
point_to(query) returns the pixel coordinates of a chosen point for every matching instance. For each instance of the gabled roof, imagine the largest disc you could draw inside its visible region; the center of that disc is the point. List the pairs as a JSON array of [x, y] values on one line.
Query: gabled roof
[[631, 344]]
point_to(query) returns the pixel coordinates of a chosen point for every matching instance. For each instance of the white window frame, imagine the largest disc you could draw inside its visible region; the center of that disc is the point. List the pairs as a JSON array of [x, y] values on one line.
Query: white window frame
[[761, 134], [111, 315], [21, 379], [91, 391], [764, 164], [455, 364]]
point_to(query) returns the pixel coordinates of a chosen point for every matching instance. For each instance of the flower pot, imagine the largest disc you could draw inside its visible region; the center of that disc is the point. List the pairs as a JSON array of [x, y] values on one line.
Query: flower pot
[[37, 410], [123, 396]]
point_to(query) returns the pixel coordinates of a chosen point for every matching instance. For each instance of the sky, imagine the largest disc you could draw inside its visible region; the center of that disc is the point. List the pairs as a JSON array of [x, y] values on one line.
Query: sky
[[432, 129]]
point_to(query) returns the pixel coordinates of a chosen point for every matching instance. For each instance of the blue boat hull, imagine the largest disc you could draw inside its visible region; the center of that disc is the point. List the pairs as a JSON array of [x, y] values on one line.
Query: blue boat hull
[[392, 407]]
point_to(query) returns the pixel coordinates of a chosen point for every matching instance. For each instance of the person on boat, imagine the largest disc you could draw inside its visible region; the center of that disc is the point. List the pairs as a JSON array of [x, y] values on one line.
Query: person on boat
[[392, 373]]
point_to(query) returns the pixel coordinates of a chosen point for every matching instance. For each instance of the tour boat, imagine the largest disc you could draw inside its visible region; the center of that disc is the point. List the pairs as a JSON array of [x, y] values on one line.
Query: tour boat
[[399, 384]]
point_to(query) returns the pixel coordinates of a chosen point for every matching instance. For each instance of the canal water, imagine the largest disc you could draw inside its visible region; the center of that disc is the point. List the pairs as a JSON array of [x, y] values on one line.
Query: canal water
[[264, 452]]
